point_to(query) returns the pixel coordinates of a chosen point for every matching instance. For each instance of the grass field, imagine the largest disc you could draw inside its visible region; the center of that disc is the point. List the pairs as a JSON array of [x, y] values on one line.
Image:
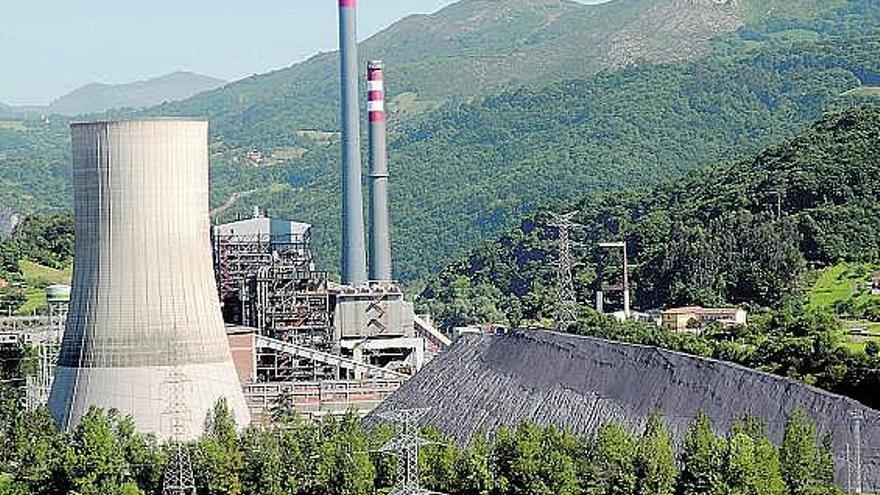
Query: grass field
[[841, 282], [37, 278], [846, 285]]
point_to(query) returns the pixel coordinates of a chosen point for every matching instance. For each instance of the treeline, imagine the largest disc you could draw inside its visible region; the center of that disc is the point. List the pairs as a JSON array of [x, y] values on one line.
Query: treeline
[[798, 343], [105, 456]]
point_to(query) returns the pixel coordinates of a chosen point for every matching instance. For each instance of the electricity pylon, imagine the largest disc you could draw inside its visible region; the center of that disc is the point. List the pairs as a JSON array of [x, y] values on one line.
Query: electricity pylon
[[405, 447], [566, 299], [178, 478]]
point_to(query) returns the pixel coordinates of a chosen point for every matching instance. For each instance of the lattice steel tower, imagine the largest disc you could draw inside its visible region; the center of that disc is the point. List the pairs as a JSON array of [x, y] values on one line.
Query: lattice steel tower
[[405, 447], [566, 301], [178, 478]]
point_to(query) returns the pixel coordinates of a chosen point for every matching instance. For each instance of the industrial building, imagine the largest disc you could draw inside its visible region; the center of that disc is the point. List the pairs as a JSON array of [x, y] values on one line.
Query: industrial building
[[292, 331], [331, 347], [695, 319]]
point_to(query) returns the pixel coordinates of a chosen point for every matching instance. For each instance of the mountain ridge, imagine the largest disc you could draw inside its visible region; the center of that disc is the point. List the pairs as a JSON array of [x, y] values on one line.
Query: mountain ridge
[[97, 97]]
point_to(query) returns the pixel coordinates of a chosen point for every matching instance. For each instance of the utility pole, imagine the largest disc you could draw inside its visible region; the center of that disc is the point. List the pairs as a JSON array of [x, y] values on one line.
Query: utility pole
[[623, 287], [566, 299], [849, 470], [405, 447], [858, 417], [179, 478]]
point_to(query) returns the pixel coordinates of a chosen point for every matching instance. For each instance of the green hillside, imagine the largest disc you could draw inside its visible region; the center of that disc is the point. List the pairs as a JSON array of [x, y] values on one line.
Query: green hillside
[[742, 233], [469, 168], [468, 171], [471, 48]]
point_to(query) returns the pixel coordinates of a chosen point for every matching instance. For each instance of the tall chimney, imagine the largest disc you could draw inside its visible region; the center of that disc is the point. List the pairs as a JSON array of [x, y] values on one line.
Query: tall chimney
[[380, 235], [354, 262], [144, 302]]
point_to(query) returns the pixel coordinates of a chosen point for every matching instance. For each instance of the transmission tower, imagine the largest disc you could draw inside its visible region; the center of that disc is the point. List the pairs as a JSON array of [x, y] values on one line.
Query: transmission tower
[[178, 478], [566, 299], [405, 447]]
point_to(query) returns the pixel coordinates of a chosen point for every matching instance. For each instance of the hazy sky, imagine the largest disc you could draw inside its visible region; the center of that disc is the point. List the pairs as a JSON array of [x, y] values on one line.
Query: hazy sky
[[49, 47]]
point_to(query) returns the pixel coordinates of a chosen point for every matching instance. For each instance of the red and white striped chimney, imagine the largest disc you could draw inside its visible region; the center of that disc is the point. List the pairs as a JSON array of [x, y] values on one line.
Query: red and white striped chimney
[[380, 238]]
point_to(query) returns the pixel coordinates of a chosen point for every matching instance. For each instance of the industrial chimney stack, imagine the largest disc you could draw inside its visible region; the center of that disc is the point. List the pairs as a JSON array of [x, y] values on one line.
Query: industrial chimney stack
[[354, 262], [144, 301], [380, 238]]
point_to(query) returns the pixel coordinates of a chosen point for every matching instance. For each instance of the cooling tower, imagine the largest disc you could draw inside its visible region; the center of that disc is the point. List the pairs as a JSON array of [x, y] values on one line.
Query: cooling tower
[[380, 234], [354, 255], [144, 317]]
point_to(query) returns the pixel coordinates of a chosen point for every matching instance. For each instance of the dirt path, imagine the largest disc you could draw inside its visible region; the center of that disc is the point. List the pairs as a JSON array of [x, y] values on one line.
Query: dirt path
[[231, 202]]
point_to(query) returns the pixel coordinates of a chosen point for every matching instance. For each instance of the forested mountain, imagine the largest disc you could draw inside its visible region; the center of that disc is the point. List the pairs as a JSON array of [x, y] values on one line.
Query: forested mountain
[[470, 48], [468, 171], [740, 233], [470, 167]]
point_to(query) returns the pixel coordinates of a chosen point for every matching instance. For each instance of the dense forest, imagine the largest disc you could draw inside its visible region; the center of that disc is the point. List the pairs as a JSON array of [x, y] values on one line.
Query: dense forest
[[739, 233], [468, 171], [470, 168], [745, 233], [104, 455]]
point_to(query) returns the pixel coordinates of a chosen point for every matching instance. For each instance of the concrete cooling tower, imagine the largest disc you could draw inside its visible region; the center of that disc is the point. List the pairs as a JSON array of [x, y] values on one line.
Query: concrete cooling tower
[[144, 317]]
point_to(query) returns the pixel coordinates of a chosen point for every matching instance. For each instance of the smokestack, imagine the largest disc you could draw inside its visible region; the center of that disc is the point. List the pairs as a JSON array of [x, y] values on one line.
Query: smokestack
[[380, 235], [354, 262], [144, 300]]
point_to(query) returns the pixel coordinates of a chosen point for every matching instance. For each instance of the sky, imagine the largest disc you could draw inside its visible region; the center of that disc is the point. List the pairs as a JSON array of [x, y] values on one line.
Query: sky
[[50, 47]]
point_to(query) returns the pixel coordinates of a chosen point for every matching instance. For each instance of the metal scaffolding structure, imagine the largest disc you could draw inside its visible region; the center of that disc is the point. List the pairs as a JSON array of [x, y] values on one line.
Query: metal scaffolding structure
[[268, 281], [623, 287]]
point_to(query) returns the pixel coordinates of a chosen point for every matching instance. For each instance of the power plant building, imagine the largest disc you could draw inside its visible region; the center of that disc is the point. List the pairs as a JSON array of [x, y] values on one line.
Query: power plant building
[[144, 301]]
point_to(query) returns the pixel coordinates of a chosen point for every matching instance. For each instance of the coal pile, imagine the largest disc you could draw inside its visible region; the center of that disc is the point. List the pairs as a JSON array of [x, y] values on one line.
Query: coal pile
[[484, 382]]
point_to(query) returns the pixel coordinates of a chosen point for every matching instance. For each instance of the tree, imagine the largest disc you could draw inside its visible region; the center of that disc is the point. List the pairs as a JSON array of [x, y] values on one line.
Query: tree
[[142, 453], [219, 459], [612, 462], [263, 470], [473, 470], [437, 462], [752, 461], [343, 465], [655, 466], [284, 410], [526, 462], [807, 466], [98, 465], [703, 460]]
